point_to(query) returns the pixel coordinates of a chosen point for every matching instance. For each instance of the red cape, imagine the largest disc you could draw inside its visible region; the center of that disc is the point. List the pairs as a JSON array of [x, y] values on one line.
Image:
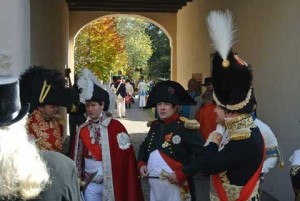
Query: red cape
[[127, 186]]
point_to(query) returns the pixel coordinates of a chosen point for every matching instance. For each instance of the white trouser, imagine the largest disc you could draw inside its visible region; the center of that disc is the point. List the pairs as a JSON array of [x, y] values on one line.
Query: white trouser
[[93, 191], [161, 190], [121, 107], [142, 101]]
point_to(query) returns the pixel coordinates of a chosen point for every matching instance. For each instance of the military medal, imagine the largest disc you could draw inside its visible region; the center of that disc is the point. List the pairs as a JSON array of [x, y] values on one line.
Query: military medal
[[168, 138], [123, 140], [165, 144], [176, 139]]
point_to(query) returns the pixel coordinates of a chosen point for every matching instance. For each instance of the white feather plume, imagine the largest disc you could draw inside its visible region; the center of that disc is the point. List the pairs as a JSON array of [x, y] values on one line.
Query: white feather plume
[[85, 82], [221, 31]]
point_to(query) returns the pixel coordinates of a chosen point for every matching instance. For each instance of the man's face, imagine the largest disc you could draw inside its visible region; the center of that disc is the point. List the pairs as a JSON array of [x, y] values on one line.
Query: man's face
[[48, 111], [165, 110], [192, 85], [209, 87], [94, 109], [220, 115]]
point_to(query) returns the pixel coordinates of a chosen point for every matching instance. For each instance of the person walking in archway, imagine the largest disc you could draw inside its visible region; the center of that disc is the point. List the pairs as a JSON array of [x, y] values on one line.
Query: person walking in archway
[[142, 91]]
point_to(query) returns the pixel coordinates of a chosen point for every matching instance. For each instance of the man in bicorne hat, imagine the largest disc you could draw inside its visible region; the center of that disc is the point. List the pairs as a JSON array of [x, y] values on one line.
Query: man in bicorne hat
[[234, 163], [170, 154], [45, 90], [102, 149]]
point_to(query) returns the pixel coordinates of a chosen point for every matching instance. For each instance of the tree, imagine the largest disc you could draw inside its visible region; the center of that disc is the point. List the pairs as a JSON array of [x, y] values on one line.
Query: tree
[[159, 64], [100, 48], [137, 42], [111, 44]]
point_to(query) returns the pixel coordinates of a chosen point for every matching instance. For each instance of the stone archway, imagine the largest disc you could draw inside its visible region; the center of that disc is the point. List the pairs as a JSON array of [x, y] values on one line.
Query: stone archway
[[166, 22]]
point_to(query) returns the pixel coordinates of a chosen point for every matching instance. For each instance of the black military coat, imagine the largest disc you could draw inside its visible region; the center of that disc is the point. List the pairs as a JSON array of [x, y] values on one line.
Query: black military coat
[[239, 159], [176, 141]]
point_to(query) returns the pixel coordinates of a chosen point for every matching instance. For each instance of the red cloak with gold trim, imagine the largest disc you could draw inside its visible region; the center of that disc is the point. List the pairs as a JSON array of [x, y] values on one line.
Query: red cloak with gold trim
[[126, 183]]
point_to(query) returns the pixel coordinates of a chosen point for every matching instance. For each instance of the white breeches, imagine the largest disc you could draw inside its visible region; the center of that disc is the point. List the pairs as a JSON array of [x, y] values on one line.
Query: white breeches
[[161, 190], [121, 107], [93, 191], [142, 101]]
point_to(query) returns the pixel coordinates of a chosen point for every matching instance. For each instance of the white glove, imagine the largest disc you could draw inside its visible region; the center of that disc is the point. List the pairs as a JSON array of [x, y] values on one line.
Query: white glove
[[98, 176], [295, 158], [220, 129]]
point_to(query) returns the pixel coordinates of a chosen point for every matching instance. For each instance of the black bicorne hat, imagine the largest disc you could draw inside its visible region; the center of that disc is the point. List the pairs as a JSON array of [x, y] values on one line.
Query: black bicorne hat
[[231, 76], [41, 86], [11, 109], [170, 92], [207, 81], [91, 89]]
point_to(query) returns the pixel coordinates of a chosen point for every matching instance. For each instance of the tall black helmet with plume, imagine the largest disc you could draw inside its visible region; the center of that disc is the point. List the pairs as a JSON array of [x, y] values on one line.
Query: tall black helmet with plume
[[42, 86], [231, 76]]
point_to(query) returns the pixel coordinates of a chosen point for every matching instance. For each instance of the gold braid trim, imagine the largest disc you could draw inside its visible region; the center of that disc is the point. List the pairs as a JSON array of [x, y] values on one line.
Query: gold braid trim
[[190, 123], [45, 90], [240, 136], [237, 106], [294, 170], [151, 122], [239, 128]]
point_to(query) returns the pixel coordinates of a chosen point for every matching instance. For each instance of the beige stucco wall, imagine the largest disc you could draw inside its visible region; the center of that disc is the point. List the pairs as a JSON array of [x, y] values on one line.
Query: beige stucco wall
[[49, 38], [269, 40], [49, 33], [167, 22], [193, 43], [15, 33]]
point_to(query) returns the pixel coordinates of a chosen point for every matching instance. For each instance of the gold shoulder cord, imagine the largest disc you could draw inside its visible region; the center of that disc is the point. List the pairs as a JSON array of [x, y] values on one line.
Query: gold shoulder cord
[[45, 90]]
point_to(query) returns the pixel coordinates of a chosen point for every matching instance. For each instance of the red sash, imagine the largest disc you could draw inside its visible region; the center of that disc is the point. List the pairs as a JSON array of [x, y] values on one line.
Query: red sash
[[246, 191], [95, 149], [175, 165]]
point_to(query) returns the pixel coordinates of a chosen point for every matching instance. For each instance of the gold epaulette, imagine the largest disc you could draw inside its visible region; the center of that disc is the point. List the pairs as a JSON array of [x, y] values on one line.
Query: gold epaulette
[[190, 123], [240, 136], [151, 122], [239, 127]]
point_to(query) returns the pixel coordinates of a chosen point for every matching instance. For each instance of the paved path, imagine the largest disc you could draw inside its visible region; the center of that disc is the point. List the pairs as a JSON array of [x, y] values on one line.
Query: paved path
[[136, 124]]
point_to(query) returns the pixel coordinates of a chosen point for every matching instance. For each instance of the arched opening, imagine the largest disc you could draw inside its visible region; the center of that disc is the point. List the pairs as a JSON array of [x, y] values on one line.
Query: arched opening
[[113, 68]]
